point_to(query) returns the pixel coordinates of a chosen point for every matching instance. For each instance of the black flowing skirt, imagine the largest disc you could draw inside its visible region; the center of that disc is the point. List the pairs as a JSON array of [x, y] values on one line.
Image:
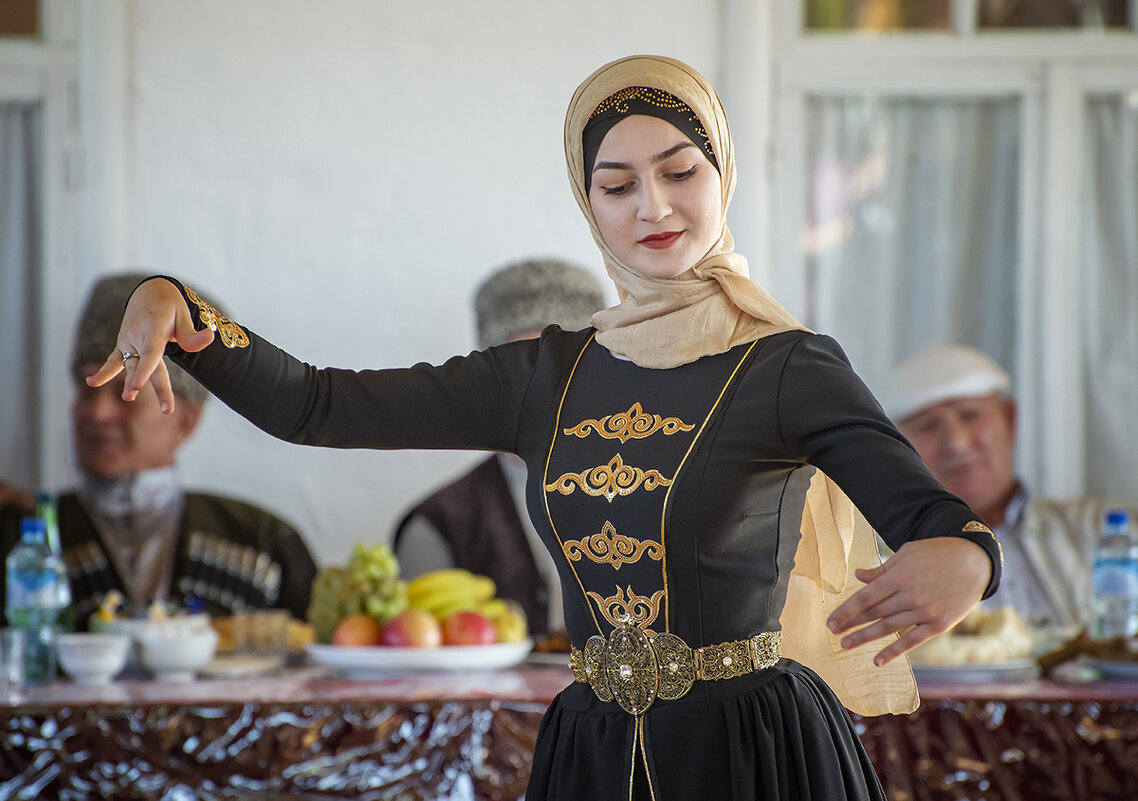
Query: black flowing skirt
[[778, 734]]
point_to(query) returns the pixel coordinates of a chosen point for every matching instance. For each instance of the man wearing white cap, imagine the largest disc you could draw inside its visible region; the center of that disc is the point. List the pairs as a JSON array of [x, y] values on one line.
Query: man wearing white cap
[[953, 403]]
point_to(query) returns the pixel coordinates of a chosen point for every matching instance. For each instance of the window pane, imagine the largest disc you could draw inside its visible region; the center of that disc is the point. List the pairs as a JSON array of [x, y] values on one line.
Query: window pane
[[19, 265], [911, 225], [1109, 262], [19, 18], [1053, 13], [878, 15]]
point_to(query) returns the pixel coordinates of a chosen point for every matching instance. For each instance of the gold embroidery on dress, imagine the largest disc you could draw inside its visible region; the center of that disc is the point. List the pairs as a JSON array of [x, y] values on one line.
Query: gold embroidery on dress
[[553, 438], [609, 480], [232, 336], [610, 548], [976, 527], [626, 608], [633, 424]]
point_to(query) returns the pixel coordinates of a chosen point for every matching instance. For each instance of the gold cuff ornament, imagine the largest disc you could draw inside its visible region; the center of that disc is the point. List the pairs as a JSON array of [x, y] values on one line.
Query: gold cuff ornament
[[232, 335], [635, 666]]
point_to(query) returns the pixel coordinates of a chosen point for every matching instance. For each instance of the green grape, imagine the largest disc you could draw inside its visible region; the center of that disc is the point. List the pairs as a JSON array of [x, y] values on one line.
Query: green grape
[[325, 603], [369, 584], [376, 606]]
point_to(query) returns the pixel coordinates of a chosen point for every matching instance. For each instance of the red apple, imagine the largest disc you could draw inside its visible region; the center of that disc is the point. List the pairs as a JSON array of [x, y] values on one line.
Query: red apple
[[355, 630], [469, 628], [413, 628]]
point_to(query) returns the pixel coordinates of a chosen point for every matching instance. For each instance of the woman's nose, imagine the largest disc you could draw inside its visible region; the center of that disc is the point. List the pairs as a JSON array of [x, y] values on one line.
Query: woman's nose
[[654, 203]]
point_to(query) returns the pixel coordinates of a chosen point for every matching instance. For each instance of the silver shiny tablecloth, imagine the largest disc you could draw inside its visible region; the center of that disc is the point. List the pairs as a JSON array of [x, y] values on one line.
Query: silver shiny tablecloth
[[470, 736]]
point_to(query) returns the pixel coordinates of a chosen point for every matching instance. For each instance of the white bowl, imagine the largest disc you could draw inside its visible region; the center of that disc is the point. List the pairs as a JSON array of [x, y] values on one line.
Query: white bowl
[[92, 658], [136, 627], [176, 654]]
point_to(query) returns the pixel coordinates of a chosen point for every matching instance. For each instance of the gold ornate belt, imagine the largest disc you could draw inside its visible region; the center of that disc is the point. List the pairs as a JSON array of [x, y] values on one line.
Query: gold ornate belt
[[634, 667]]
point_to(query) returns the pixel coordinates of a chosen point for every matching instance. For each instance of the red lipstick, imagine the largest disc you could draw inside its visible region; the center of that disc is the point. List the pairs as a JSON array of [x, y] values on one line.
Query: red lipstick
[[661, 241]]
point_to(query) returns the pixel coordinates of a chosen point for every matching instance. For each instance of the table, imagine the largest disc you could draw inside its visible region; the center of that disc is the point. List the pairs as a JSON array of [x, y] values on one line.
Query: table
[[1029, 741], [299, 735], [470, 735]]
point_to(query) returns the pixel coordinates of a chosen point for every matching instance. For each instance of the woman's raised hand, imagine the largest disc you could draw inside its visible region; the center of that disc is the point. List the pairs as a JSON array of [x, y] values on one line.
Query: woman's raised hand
[[156, 314]]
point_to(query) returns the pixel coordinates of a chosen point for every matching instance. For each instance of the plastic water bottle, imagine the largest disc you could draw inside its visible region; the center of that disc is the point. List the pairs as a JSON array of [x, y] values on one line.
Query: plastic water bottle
[[47, 511], [34, 574], [1114, 580]]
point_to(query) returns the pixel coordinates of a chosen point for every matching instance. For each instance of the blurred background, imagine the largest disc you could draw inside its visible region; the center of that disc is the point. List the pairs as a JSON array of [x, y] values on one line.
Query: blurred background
[[342, 174]]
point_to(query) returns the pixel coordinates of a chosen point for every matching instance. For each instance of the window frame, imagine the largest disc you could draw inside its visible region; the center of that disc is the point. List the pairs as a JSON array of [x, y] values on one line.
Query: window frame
[[1052, 72], [45, 72]]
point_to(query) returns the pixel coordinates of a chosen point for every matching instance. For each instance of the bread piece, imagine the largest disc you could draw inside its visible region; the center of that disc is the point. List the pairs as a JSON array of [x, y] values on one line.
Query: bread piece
[[984, 637]]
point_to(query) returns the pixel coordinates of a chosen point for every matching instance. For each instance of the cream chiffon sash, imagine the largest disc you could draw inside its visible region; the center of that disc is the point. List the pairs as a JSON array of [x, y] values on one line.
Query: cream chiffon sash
[[836, 540]]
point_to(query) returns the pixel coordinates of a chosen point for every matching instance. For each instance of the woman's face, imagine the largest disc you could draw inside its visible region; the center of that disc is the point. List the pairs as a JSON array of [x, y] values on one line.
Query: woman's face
[[655, 197]]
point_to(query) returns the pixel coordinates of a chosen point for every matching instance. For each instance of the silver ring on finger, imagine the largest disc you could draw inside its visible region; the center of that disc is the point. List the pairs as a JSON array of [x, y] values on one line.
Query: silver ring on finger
[[127, 355]]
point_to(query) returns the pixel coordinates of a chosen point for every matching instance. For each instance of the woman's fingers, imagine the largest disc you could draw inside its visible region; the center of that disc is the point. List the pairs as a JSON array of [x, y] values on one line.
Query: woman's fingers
[[110, 368], [187, 338], [160, 379], [893, 608], [903, 644], [858, 609]]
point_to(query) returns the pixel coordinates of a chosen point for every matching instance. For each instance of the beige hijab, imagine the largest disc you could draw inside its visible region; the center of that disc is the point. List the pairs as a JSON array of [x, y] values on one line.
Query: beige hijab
[[663, 323]]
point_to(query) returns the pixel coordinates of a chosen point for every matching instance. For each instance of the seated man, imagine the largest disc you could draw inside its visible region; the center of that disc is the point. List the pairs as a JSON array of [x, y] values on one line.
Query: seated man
[[479, 522], [953, 405], [129, 525]]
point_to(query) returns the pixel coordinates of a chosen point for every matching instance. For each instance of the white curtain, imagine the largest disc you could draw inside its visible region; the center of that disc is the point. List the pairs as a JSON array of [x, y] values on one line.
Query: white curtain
[[1109, 255], [19, 255], [912, 225]]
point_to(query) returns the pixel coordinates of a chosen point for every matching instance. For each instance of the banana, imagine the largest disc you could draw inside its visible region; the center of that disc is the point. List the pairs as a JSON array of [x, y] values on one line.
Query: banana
[[449, 590], [493, 608], [437, 580], [460, 604], [444, 598], [484, 588]]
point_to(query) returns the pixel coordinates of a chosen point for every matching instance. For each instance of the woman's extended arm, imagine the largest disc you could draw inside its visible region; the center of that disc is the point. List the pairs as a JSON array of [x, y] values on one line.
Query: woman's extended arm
[[469, 402], [945, 559]]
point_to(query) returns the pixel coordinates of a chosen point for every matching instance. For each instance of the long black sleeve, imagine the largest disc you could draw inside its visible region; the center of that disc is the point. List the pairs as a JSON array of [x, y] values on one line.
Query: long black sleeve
[[470, 402], [830, 418]]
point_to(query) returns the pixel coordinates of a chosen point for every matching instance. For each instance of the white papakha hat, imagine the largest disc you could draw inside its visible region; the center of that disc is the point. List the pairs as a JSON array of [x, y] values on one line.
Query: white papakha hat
[[940, 373]]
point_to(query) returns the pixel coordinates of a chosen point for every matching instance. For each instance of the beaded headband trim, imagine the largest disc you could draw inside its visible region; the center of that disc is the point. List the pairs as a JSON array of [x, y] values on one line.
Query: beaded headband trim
[[641, 100]]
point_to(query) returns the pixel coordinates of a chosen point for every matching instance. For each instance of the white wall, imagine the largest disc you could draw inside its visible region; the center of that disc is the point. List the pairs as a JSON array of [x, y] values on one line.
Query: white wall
[[340, 175]]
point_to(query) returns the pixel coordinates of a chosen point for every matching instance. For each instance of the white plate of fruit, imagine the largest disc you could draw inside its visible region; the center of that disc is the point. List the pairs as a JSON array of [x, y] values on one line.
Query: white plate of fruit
[[379, 660], [369, 622]]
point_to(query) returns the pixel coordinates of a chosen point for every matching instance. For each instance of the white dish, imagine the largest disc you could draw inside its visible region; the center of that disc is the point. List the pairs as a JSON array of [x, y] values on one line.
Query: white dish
[[177, 655], [1118, 671], [549, 658], [138, 627], [1016, 670], [371, 661], [92, 658]]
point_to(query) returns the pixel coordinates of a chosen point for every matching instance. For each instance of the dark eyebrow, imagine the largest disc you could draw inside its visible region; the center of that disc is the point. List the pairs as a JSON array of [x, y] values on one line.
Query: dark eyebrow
[[667, 154]]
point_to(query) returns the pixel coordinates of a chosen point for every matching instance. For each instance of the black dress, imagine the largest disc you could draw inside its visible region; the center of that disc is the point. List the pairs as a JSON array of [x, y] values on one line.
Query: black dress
[[672, 499]]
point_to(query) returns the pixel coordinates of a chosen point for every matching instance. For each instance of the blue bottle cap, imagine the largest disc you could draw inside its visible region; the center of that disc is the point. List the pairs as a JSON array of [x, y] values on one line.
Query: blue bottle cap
[[33, 527], [1118, 517]]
